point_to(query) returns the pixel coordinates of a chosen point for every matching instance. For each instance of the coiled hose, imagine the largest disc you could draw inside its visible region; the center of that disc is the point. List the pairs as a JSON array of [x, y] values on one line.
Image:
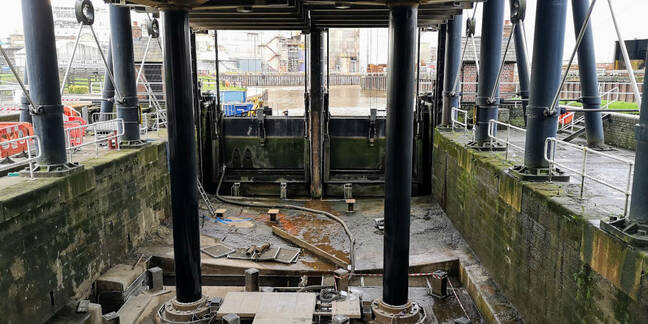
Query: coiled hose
[[293, 207]]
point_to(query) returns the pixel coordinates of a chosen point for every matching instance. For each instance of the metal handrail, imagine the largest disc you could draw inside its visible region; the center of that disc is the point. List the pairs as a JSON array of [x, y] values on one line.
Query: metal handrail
[[30, 159], [550, 146], [492, 126], [454, 115], [114, 127]]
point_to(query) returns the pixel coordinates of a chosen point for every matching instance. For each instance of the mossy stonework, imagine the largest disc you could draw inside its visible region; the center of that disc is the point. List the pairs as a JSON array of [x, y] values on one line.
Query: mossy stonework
[[60, 234], [555, 264]]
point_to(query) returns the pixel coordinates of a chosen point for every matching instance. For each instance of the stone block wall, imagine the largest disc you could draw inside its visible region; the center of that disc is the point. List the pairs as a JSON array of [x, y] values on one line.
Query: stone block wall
[[552, 261], [59, 234], [619, 130]]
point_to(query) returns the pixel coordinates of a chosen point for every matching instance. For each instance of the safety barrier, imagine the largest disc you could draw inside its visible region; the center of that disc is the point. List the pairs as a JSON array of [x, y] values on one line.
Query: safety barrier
[[32, 152], [552, 143], [11, 131], [455, 118], [107, 132], [492, 127]]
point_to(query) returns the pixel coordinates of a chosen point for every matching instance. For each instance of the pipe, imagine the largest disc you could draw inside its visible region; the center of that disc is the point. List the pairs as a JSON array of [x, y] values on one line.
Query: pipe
[[403, 19], [451, 68], [25, 116], [293, 207], [588, 78], [40, 44], [317, 80], [108, 93], [182, 155], [124, 71], [490, 56], [545, 79], [638, 205], [522, 65]]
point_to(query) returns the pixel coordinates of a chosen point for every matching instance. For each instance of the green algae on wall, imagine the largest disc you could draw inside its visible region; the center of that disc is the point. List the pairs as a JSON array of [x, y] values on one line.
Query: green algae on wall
[[59, 234], [554, 265]]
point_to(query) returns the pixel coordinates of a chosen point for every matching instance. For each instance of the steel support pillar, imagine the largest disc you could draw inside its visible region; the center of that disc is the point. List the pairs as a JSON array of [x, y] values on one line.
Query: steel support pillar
[[545, 80], [452, 62], [197, 108], [490, 58], [108, 93], [25, 116], [437, 109], [522, 65], [634, 228], [398, 158], [316, 115], [588, 78], [639, 206], [124, 72], [182, 154], [42, 63]]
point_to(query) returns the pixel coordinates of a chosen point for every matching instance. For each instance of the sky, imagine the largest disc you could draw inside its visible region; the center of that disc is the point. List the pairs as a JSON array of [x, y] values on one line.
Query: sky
[[631, 16]]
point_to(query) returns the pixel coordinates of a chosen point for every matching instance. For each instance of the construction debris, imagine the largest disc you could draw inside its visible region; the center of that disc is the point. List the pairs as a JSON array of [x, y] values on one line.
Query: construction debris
[[307, 246]]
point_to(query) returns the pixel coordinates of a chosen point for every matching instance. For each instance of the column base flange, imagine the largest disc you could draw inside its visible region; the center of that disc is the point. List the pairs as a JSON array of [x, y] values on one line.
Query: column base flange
[[410, 313], [538, 175], [200, 311], [53, 170], [631, 232], [486, 146]]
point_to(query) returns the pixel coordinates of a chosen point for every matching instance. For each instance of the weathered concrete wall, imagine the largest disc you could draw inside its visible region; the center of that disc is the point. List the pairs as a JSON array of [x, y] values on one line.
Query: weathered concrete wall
[[553, 262], [59, 234], [620, 130]]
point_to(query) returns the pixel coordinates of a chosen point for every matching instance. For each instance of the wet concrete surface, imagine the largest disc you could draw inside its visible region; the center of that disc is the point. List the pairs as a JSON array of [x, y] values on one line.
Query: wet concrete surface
[[433, 237], [598, 200]]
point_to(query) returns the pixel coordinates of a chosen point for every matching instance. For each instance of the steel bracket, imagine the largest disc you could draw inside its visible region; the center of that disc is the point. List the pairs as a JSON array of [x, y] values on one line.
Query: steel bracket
[[631, 232]]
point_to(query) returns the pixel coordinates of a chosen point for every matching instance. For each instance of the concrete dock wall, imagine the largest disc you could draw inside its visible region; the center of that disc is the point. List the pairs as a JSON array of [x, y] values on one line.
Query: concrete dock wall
[[59, 234], [550, 258]]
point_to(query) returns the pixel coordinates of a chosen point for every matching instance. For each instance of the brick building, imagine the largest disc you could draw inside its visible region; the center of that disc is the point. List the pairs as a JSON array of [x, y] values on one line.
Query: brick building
[[468, 74]]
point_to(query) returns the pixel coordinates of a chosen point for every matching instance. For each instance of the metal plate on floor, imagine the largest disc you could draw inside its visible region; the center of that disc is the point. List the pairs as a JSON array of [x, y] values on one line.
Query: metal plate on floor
[[288, 255], [218, 251], [267, 255]]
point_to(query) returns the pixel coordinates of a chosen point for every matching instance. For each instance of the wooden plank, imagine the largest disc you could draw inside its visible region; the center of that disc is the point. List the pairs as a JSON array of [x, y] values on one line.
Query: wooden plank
[[349, 307], [309, 247], [267, 318], [249, 304]]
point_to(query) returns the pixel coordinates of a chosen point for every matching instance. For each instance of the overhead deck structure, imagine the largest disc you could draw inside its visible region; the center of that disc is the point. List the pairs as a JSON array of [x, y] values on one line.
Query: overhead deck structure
[[302, 14]]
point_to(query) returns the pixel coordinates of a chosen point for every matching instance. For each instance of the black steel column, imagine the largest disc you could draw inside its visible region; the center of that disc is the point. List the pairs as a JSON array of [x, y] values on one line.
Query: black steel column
[[124, 69], [398, 158], [108, 93], [40, 44], [182, 155], [452, 63], [437, 109], [490, 59], [317, 80], [545, 79], [197, 108], [639, 205], [25, 116], [522, 65], [588, 78]]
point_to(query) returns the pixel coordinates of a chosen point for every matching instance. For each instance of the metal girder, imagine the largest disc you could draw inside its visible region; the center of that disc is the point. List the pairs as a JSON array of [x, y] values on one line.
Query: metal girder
[[302, 14]]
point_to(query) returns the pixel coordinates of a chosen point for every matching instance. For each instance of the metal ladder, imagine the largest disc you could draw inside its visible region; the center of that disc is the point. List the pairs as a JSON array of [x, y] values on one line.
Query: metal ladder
[[205, 198]]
